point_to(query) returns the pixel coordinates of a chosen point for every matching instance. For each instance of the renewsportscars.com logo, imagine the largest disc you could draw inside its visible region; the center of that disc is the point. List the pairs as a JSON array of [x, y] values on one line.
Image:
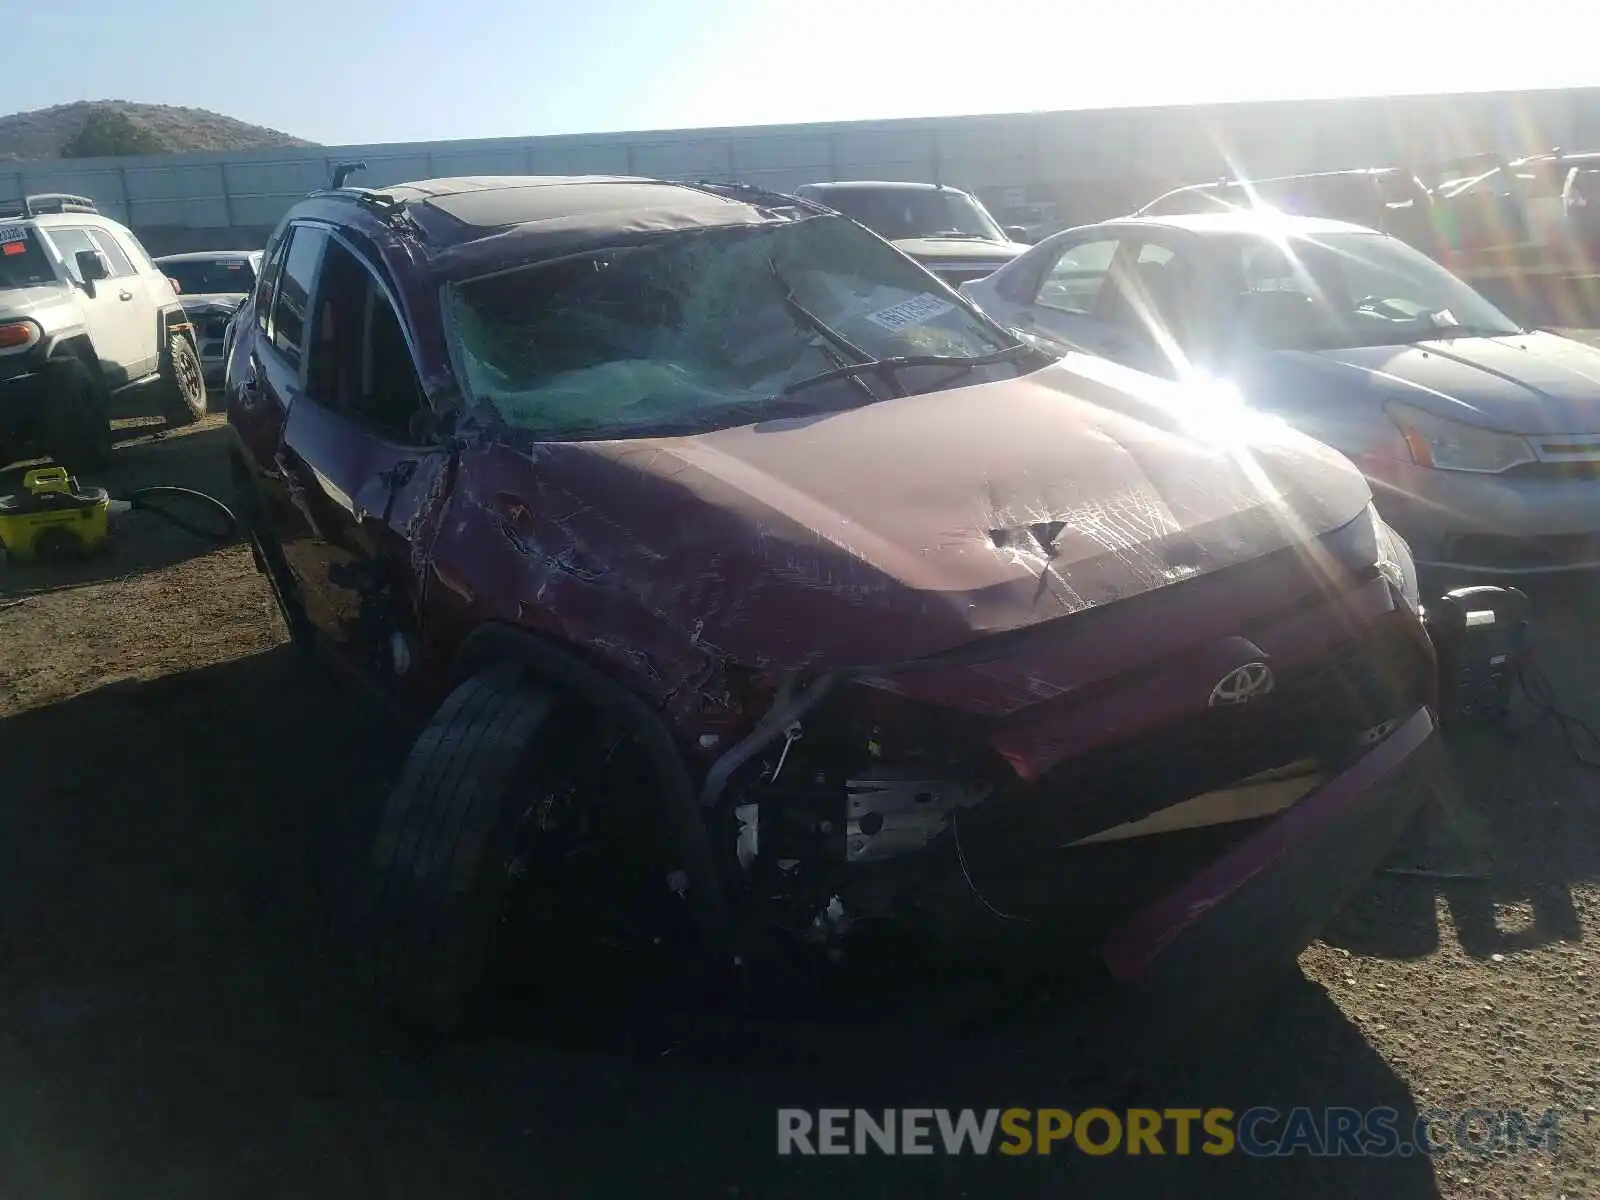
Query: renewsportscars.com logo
[[1255, 1132]]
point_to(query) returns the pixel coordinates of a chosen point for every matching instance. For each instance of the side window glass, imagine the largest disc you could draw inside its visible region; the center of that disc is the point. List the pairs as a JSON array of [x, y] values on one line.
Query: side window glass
[[291, 301], [269, 279], [1269, 269], [1163, 284], [67, 243], [359, 363], [121, 265], [132, 247], [1073, 282]]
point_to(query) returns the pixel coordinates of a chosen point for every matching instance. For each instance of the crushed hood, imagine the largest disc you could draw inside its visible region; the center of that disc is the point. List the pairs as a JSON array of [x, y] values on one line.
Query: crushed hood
[[911, 526], [1534, 383], [959, 249]]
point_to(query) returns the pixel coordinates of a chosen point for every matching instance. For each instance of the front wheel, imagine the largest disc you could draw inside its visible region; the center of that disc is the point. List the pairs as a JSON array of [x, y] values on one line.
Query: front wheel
[[183, 383], [446, 849]]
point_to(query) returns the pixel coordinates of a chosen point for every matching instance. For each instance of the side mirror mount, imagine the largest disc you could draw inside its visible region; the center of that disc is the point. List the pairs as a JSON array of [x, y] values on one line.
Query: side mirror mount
[[177, 288], [1018, 233], [92, 266]]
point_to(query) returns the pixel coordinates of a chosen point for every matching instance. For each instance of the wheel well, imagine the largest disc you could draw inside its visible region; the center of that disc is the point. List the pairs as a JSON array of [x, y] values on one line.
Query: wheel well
[[569, 675], [77, 350], [165, 320]]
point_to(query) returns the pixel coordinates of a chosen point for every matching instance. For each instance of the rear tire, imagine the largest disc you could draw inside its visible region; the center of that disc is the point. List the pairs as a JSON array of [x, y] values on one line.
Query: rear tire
[[443, 857], [79, 420], [183, 383]]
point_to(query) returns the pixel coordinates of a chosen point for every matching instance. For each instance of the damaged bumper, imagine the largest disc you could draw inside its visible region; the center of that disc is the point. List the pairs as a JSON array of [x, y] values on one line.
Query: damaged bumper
[[1268, 898], [1177, 926]]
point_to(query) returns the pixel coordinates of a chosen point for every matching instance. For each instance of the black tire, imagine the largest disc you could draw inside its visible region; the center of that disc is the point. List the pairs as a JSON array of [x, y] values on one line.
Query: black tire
[[79, 419], [268, 555], [441, 860], [183, 382]]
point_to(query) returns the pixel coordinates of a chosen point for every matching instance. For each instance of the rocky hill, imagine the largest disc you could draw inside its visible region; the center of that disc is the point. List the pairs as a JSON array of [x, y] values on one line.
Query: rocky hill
[[88, 128]]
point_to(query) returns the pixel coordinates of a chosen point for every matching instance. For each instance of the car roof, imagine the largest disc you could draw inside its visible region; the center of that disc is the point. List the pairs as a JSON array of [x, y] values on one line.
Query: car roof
[[50, 220], [568, 210], [1258, 221], [1213, 185], [204, 256], [888, 185], [499, 201]]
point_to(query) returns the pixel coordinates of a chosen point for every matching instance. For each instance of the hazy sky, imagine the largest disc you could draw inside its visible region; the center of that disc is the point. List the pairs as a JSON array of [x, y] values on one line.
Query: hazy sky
[[405, 70]]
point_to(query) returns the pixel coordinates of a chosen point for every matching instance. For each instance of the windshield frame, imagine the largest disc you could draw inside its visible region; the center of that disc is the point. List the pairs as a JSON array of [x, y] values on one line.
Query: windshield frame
[[1337, 242], [1004, 343]]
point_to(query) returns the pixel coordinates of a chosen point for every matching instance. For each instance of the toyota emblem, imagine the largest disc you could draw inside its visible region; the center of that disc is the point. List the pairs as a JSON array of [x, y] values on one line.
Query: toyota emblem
[[1248, 682]]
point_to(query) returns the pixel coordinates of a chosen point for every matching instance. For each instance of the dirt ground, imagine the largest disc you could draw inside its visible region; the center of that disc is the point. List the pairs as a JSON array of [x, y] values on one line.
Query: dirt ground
[[184, 807]]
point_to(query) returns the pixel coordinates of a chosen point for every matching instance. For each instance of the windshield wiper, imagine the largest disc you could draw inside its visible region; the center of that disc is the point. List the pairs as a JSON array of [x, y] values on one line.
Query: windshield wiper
[[828, 333], [888, 366]]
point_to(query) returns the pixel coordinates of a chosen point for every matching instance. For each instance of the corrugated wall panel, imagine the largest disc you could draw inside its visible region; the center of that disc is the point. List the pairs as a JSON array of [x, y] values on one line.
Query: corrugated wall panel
[[698, 158], [1091, 162]]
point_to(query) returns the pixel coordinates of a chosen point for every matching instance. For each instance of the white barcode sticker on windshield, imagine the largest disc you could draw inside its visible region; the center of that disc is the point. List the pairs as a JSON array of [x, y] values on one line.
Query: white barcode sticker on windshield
[[13, 232], [910, 312]]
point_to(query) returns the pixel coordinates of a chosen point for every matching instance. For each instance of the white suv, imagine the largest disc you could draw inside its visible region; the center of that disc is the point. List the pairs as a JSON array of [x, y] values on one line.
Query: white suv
[[85, 316]]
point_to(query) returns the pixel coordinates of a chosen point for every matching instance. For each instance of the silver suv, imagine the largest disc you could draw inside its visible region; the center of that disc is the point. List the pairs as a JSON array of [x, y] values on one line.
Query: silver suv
[[85, 317]]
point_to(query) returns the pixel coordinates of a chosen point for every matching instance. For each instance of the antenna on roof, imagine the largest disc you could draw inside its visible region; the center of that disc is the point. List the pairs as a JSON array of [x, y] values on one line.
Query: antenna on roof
[[343, 171]]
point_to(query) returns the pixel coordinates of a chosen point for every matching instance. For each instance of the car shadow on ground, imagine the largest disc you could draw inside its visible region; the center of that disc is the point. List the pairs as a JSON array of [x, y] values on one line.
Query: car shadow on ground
[[145, 455], [175, 857], [1520, 815]]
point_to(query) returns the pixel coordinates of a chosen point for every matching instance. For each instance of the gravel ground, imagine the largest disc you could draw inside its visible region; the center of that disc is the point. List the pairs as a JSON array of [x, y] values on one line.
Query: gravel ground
[[185, 805]]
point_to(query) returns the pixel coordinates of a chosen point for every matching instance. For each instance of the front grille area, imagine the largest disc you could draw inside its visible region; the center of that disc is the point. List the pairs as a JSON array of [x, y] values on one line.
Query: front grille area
[[1314, 710], [1550, 552], [1557, 471]]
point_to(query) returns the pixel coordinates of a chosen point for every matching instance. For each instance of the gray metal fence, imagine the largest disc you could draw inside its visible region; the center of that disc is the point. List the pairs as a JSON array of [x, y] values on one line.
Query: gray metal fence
[[1090, 164]]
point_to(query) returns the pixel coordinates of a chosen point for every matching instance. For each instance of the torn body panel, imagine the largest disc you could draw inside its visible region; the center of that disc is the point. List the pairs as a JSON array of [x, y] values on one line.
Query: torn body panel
[[938, 635]]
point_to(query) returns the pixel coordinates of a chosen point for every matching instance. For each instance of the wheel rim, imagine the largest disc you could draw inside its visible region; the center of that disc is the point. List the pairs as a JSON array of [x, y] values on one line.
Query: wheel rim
[[189, 378]]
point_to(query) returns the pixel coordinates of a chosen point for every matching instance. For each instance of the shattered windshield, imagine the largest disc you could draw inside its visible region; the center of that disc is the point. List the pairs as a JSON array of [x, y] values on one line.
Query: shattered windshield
[[1344, 290], [702, 330], [897, 213]]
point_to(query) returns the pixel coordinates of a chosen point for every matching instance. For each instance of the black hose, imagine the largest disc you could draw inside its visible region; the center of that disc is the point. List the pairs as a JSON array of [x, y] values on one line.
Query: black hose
[[1582, 739], [140, 501]]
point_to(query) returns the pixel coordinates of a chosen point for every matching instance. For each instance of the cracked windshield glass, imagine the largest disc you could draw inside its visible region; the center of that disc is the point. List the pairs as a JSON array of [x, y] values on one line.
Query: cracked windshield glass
[[697, 329]]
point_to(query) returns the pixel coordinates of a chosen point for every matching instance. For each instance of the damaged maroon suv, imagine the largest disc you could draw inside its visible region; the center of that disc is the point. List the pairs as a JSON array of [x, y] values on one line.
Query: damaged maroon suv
[[737, 569]]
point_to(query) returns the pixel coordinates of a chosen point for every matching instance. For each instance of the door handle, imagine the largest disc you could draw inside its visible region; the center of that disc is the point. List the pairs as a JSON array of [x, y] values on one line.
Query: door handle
[[124, 295]]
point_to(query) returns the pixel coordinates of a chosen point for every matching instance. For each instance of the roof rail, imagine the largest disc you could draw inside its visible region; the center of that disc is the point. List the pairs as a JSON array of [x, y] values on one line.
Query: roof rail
[[42, 203]]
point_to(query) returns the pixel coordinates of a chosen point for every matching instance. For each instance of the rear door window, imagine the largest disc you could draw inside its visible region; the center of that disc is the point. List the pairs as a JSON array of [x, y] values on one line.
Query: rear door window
[[116, 257], [68, 242], [1074, 281], [23, 261], [269, 280], [290, 305]]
